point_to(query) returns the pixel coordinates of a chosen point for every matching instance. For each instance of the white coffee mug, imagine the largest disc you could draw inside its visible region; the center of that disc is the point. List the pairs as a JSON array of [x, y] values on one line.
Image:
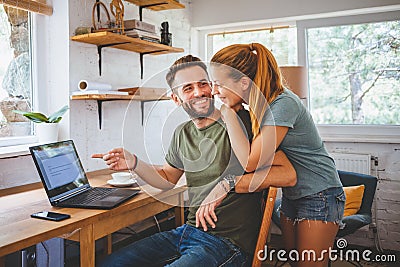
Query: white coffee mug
[[121, 177]]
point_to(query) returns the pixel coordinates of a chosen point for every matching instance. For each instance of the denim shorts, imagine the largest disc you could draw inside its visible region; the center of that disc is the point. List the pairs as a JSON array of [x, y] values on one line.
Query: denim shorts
[[327, 206]]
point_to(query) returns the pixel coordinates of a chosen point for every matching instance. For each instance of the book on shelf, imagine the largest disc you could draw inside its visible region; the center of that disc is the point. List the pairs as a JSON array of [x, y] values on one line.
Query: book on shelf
[[100, 92], [149, 39], [142, 34]]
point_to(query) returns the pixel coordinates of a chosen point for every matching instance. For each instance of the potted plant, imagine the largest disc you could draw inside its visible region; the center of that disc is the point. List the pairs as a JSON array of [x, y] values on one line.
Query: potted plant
[[46, 127]]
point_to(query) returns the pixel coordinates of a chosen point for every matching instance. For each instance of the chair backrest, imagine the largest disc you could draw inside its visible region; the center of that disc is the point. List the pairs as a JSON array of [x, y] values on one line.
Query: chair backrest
[[265, 224], [370, 182]]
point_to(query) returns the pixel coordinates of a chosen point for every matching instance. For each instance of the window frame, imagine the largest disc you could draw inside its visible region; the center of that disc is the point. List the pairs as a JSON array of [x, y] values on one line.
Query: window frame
[[349, 133], [18, 145], [202, 42], [329, 133], [22, 140]]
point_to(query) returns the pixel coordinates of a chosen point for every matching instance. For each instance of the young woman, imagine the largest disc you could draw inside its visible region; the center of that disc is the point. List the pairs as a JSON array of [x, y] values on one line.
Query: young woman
[[311, 211]]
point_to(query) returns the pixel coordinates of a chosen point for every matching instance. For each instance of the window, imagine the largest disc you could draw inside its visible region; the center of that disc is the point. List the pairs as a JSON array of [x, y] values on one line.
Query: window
[[281, 41], [15, 73], [354, 73], [359, 52]]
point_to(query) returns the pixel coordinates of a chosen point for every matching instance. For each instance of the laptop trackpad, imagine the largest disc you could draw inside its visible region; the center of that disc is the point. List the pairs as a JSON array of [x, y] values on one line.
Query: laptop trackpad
[[110, 199]]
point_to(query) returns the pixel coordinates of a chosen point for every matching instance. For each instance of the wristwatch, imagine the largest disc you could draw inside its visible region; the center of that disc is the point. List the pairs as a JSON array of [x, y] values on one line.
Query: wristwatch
[[231, 180]]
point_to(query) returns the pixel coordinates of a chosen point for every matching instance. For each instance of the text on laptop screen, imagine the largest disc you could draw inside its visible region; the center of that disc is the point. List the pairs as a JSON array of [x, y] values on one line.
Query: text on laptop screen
[[60, 167]]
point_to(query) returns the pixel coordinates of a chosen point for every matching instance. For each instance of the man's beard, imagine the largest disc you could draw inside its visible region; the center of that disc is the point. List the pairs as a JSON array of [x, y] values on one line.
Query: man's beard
[[193, 114]]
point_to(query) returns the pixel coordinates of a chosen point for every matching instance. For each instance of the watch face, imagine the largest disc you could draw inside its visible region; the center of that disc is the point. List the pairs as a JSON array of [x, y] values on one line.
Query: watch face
[[231, 180]]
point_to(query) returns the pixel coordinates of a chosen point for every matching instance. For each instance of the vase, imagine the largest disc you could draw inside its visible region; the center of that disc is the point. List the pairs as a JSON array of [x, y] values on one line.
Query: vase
[[47, 132]]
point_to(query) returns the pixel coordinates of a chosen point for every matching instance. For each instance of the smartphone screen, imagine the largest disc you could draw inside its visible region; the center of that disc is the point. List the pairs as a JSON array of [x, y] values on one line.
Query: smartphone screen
[[52, 216]]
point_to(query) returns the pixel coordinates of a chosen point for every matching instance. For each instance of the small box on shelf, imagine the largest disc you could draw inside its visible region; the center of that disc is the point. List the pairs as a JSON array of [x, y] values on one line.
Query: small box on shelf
[[139, 25]]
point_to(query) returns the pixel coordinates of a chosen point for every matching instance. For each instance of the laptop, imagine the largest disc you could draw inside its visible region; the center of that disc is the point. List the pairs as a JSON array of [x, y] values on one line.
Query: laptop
[[65, 181]]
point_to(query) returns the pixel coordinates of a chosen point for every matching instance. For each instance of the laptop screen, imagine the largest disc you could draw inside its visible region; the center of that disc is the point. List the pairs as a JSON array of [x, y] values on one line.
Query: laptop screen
[[60, 168]]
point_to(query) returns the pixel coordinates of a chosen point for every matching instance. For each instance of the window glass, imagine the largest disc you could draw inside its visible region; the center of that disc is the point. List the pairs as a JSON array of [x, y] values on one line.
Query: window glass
[[15, 72], [282, 42], [354, 75]]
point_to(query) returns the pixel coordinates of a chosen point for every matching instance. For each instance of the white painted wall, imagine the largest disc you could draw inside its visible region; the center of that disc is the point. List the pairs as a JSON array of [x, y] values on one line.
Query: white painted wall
[[121, 69], [211, 12], [52, 63]]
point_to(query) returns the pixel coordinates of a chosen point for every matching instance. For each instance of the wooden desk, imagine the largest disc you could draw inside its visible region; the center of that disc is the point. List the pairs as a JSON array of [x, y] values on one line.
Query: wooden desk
[[18, 230]]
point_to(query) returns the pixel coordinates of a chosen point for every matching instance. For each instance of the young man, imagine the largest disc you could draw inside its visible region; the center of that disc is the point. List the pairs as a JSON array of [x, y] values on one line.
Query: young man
[[199, 148]]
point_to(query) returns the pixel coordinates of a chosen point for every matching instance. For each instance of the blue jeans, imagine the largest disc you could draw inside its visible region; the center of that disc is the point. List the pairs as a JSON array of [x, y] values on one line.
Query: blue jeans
[[184, 246]]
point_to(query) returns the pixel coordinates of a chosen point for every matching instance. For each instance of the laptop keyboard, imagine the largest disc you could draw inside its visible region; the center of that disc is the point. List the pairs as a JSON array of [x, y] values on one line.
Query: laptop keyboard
[[93, 194]]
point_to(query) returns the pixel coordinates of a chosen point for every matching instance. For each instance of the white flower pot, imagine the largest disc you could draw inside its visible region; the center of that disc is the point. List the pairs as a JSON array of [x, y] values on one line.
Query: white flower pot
[[47, 132]]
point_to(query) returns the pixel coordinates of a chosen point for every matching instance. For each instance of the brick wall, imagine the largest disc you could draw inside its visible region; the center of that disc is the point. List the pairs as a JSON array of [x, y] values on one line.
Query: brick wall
[[386, 208]]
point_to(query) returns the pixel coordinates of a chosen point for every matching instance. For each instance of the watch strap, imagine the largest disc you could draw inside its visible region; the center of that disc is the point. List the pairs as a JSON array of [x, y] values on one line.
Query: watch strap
[[231, 180]]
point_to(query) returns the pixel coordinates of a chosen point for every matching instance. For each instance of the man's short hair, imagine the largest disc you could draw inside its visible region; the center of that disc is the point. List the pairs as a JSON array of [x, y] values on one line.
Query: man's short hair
[[183, 63]]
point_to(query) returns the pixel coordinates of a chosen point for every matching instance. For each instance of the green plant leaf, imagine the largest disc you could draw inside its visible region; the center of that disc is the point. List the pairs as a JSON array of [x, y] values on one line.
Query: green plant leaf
[[36, 116], [57, 116], [39, 117], [20, 112], [33, 116], [57, 120]]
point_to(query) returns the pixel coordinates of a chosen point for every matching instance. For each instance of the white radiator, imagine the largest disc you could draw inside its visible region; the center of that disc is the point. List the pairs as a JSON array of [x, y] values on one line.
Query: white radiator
[[360, 163]]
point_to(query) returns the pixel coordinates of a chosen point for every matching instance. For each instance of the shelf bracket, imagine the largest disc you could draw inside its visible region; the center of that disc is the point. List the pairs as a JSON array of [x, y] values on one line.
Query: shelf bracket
[[100, 47], [100, 110], [146, 6], [142, 102], [141, 60]]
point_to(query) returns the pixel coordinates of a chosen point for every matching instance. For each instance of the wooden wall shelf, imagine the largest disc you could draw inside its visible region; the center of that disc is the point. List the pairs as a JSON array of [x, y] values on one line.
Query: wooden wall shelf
[[157, 5], [124, 42], [118, 97], [100, 98]]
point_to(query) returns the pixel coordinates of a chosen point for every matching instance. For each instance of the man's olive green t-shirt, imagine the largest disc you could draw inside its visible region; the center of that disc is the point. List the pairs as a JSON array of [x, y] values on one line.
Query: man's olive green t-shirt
[[206, 157]]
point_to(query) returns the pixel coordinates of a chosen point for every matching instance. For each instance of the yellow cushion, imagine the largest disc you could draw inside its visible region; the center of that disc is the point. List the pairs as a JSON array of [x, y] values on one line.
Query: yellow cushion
[[354, 195]]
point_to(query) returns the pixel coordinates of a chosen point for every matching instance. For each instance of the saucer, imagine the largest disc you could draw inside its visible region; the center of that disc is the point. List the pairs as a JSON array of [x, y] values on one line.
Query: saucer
[[130, 182]]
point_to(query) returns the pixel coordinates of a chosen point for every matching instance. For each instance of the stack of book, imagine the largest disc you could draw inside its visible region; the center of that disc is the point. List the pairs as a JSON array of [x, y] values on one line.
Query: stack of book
[[139, 29]]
